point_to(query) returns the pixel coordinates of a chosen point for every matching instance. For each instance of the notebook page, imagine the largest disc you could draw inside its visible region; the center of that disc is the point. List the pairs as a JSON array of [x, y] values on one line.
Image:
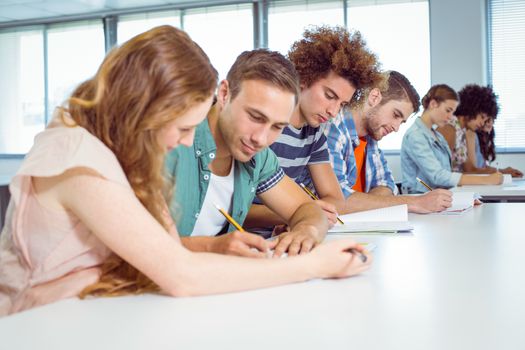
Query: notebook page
[[461, 202], [389, 214]]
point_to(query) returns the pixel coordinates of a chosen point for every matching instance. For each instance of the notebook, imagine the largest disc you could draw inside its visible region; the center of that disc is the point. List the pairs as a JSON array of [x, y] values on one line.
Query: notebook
[[461, 203], [376, 221]]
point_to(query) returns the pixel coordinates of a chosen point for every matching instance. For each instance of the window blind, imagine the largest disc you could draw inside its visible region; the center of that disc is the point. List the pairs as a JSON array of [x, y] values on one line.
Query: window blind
[[507, 70]]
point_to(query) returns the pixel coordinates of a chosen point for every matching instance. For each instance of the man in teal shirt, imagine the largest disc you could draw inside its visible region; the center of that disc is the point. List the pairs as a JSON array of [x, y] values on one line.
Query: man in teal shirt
[[230, 160]]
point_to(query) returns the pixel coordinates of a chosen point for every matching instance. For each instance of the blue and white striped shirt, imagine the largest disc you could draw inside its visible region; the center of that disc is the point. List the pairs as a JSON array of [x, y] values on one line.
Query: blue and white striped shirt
[[342, 139], [297, 148]]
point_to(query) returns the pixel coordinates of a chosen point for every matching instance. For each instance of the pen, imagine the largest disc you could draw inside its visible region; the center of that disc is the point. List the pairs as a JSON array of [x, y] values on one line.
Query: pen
[[239, 227], [314, 197], [229, 218], [357, 252], [424, 183]]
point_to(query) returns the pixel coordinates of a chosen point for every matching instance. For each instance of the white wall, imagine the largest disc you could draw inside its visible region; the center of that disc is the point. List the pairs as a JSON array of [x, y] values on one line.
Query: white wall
[[458, 42]]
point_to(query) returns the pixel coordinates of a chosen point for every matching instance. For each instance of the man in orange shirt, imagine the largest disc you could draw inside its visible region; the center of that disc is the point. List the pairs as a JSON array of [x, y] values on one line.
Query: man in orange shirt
[[359, 164]]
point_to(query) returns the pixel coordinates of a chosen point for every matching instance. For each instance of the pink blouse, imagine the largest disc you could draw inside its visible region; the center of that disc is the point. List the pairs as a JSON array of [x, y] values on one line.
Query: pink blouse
[[45, 254]]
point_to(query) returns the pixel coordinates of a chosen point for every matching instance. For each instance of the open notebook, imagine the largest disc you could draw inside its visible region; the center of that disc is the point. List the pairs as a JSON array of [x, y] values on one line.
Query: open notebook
[[385, 220]]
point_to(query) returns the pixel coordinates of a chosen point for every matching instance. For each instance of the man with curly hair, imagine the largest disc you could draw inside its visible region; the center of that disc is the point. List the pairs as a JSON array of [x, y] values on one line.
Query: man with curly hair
[[361, 168], [332, 64]]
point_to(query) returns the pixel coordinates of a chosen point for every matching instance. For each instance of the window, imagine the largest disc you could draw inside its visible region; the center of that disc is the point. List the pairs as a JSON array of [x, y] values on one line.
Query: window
[[223, 32], [74, 53], [131, 25], [401, 44], [507, 71], [287, 20], [21, 89]]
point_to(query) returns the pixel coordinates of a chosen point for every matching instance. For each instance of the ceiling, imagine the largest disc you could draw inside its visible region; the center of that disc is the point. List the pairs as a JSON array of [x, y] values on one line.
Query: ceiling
[[15, 12]]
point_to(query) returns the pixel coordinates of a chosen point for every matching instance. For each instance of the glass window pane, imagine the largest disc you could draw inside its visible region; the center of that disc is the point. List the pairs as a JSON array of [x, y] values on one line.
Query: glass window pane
[[287, 20], [223, 32], [21, 89], [507, 49], [131, 25], [401, 45], [74, 53]]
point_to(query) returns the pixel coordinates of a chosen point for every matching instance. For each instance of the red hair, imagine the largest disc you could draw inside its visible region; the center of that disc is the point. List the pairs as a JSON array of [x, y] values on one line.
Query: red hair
[[140, 87]]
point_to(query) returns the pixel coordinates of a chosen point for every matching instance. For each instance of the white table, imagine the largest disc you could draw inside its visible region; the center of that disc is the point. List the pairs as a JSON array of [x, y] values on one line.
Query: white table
[[456, 283], [498, 193]]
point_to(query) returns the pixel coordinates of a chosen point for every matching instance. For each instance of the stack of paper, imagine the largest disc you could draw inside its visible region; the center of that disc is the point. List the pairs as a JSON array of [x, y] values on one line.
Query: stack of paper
[[385, 220]]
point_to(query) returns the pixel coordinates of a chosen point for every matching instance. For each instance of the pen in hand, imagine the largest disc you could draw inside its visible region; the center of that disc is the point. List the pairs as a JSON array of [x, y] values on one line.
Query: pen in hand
[[229, 218], [358, 253], [314, 197], [424, 183], [235, 224]]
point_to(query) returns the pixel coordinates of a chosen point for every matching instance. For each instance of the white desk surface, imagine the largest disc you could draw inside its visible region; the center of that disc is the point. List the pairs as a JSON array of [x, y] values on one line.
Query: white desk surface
[[456, 283], [514, 191]]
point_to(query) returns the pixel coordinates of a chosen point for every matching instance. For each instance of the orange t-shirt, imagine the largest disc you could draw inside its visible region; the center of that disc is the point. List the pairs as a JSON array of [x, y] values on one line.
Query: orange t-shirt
[[360, 162]]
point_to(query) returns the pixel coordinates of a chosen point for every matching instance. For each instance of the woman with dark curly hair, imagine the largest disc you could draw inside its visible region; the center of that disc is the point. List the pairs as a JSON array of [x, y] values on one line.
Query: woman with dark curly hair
[[334, 65], [477, 105], [482, 151]]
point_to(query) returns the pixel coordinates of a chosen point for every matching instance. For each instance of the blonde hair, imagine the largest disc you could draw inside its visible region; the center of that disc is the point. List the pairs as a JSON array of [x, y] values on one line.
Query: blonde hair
[[140, 87]]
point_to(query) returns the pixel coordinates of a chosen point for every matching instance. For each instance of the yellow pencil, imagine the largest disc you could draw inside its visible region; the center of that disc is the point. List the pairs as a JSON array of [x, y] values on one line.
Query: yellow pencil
[[424, 183], [314, 197], [229, 218]]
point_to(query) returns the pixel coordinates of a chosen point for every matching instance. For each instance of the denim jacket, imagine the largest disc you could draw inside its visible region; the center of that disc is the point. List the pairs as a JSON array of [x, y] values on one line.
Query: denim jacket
[[342, 139], [425, 154]]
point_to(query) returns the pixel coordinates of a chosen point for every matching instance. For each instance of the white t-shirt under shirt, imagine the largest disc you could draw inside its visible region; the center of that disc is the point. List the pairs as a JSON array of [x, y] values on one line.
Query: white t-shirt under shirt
[[220, 192]]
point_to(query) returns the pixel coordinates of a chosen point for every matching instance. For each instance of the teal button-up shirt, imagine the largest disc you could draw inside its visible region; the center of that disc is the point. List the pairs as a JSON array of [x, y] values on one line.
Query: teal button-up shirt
[[189, 168]]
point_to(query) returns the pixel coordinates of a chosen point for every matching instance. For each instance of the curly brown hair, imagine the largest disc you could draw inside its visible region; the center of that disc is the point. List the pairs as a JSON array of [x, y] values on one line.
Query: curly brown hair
[[475, 99], [326, 49]]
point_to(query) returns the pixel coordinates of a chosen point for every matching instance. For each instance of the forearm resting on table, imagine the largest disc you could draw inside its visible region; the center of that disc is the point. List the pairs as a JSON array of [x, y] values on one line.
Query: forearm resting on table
[[379, 197], [310, 214]]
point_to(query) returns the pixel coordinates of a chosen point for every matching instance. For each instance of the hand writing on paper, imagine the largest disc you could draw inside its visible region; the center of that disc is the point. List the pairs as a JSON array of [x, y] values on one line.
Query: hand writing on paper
[[341, 258], [330, 211], [433, 201], [241, 244], [300, 240]]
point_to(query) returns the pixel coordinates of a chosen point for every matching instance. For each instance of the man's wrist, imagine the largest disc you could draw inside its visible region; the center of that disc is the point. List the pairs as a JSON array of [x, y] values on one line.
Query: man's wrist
[[311, 229]]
